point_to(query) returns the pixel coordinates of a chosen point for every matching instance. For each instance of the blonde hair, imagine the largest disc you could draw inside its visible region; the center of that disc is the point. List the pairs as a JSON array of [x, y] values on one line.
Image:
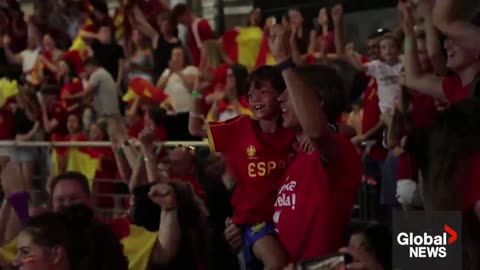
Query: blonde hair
[[214, 52]]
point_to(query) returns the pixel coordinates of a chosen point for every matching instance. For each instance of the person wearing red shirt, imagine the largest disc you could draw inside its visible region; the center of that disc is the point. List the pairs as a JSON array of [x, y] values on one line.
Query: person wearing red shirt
[[462, 60], [54, 115], [199, 30], [257, 152], [71, 85], [319, 188]]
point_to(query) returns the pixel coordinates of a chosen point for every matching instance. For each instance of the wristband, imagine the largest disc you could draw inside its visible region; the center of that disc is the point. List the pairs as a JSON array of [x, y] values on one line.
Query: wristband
[[19, 202], [287, 64], [196, 94], [408, 44]]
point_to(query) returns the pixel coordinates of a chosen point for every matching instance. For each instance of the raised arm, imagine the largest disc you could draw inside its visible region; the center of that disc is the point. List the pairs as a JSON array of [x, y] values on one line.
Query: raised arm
[[434, 46], [11, 57], [427, 84], [142, 24], [169, 233], [305, 102], [337, 15], [446, 16], [197, 119]]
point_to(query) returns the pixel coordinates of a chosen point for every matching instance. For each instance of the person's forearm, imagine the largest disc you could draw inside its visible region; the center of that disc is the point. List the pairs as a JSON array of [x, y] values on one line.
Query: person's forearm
[[169, 236], [162, 82], [50, 66], [339, 37], [196, 119], [121, 70], [310, 114], [138, 176], [131, 154], [88, 36], [5, 211], [122, 163], [434, 48], [142, 24], [14, 226], [29, 136], [150, 159], [11, 57]]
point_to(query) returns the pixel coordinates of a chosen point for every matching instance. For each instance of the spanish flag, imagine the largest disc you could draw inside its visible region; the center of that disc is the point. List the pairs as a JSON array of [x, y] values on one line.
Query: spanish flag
[[78, 159], [265, 57], [78, 44], [137, 242], [8, 91], [143, 88], [242, 45]]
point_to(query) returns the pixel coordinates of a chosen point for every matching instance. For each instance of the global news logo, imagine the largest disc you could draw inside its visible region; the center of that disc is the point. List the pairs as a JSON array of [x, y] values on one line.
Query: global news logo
[[428, 246]]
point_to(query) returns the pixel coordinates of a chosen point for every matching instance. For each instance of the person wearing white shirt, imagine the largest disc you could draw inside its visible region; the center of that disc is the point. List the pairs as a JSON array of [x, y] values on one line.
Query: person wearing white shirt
[[177, 81]]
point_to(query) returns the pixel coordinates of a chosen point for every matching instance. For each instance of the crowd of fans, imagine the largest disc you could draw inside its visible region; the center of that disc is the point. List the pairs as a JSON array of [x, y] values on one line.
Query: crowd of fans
[[293, 146]]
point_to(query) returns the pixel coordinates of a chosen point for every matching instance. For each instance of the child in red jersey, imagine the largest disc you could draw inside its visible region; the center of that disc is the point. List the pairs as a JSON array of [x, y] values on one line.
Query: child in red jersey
[[257, 152]]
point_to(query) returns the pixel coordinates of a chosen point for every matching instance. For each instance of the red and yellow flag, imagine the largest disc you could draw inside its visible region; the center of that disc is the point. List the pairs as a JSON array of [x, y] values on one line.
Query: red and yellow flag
[[265, 57], [78, 159], [78, 44], [242, 45], [145, 89]]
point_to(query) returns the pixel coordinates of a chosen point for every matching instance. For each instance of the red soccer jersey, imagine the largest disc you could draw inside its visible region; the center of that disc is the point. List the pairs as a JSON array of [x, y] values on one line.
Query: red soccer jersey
[[198, 32], [257, 160], [59, 113], [70, 88], [315, 202], [454, 90], [371, 117]]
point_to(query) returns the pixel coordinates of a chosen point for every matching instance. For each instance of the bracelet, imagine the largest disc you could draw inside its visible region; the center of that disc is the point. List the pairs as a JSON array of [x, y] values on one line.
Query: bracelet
[[196, 94], [19, 202], [408, 44], [197, 115]]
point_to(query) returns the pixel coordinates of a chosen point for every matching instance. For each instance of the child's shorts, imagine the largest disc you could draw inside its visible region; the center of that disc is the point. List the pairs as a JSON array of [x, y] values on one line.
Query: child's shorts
[[251, 234]]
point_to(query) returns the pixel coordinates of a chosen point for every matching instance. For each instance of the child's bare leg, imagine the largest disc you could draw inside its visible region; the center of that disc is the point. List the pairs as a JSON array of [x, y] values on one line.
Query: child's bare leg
[[270, 252]]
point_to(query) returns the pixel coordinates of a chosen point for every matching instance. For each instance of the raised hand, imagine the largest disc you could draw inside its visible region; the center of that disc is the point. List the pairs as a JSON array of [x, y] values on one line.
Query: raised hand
[[146, 137], [12, 179], [164, 196], [279, 42], [337, 13], [406, 18]]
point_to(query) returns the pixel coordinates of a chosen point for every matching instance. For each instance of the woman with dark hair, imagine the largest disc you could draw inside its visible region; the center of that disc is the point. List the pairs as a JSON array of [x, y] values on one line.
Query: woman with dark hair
[[232, 101], [71, 85], [69, 240], [255, 18], [455, 160]]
